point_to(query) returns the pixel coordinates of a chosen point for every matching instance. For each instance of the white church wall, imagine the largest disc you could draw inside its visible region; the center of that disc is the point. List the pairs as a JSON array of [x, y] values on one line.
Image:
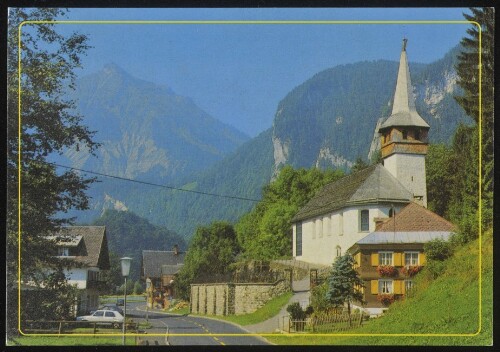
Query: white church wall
[[322, 249]]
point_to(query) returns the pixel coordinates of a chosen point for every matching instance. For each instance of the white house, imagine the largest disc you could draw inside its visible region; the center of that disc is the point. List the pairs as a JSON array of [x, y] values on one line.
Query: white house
[[347, 210], [88, 247]]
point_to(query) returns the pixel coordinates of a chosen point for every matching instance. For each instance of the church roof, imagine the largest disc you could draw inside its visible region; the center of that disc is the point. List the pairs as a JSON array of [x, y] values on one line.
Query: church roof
[[415, 218], [371, 185], [404, 112]]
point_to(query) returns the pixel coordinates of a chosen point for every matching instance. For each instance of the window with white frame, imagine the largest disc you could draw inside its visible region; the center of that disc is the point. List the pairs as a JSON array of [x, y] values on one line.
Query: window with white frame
[[385, 286], [411, 258], [364, 223], [385, 258], [63, 251], [408, 285]]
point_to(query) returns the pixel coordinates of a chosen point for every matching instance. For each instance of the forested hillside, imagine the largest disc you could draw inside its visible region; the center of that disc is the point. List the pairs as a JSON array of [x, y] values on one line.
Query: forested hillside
[[326, 122], [129, 234]]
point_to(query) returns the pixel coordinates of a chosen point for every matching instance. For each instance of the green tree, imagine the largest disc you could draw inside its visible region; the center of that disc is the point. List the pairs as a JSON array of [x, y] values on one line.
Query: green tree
[[138, 289], [211, 252], [469, 79], [48, 125], [440, 186], [265, 232], [344, 283], [359, 165]]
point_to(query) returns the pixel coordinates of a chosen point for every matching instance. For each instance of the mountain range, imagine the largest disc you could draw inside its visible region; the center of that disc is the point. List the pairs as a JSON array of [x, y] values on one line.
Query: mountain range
[[328, 121]]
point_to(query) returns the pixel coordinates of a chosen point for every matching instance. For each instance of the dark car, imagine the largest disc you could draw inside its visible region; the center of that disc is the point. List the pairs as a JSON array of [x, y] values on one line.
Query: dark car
[[110, 306], [120, 302]]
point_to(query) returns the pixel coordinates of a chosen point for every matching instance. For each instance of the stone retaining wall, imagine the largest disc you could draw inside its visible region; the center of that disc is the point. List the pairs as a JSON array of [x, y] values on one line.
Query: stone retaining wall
[[231, 298]]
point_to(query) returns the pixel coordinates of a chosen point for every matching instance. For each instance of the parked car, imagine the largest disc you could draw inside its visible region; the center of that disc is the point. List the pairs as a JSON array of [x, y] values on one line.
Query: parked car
[[109, 306], [120, 302], [104, 316]]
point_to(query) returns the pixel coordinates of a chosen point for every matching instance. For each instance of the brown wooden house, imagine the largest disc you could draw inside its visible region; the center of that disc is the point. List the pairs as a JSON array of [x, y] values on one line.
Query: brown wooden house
[[159, 269], [388, 258]]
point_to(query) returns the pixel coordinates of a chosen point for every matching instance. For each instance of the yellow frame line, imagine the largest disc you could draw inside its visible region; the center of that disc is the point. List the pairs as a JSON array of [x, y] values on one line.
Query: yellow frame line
[[254, 23]]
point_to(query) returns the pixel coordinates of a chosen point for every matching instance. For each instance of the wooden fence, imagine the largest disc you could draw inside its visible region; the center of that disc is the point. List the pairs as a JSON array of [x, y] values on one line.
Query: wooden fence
[[327, 323], [69, 327]]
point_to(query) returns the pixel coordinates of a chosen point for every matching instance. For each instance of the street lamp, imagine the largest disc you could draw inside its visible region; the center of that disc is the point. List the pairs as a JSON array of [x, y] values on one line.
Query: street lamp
[[125, 272]]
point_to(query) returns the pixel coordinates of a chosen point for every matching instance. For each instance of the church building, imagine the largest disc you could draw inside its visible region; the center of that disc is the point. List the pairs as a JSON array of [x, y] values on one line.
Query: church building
[[349, 209]]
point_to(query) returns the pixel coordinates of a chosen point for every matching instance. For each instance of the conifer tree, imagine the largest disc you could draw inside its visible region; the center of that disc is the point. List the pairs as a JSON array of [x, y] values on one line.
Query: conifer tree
[[344, 283], [469, 78]]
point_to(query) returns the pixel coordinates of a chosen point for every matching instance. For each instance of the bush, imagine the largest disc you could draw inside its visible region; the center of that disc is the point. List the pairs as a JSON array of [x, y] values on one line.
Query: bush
[[438, 250], [138, 289], [435, 268], [296, 312], [319, 302]]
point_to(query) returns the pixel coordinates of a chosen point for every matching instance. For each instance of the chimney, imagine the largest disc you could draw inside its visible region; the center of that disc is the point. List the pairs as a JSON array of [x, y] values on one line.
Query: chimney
[[176, 249]]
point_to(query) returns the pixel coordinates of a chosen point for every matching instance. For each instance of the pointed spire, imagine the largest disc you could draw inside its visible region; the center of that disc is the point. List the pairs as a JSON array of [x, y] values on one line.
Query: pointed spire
[[403, 97], [404, 112]]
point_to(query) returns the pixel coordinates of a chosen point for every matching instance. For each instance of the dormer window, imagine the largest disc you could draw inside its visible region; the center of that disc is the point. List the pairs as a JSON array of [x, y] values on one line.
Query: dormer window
[[63, 251]]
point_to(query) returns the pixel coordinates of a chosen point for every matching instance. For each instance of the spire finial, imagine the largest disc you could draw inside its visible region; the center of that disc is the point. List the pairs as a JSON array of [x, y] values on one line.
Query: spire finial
[[404, 43]]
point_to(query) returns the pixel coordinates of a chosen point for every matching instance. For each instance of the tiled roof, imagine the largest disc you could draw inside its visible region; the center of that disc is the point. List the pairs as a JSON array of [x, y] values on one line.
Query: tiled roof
[[152, 261], [371, 185], [93, 250], [415, 218], [404, 237]]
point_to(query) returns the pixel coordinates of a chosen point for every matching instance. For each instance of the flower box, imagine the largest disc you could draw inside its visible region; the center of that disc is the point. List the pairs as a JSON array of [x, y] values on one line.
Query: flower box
[[411, 270], [387, 271], [385, 299]]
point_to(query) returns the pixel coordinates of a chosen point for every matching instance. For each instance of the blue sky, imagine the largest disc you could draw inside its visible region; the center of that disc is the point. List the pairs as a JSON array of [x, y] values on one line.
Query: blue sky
[[239, 73]]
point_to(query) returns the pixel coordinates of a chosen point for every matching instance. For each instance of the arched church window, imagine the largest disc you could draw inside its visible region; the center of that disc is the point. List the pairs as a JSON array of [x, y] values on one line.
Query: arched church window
[[339, 251]]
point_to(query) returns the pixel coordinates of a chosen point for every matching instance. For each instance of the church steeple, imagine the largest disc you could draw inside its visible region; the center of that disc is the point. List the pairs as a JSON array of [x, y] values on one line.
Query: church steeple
[[404, 112], [404, 136]]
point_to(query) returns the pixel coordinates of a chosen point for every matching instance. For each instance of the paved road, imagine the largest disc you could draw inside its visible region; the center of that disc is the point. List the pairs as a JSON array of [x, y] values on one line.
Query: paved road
[[177, 324]]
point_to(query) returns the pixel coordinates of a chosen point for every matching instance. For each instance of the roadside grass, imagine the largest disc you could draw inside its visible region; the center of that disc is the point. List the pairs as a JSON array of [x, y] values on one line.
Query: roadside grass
[[444, 306], [113, 298], [181, 311], [269, 310], [69, 341]]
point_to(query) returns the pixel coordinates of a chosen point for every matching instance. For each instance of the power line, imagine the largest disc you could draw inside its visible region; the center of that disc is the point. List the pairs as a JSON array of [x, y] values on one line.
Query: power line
[[152, 184]]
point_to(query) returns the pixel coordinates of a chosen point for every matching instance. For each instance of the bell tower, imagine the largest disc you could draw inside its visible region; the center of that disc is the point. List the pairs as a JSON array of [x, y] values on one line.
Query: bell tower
[[403, 137]]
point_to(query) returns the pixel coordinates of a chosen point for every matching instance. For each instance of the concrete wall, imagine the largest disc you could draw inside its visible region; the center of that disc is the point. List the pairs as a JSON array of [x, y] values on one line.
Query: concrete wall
[[322, 235], [229, 298]]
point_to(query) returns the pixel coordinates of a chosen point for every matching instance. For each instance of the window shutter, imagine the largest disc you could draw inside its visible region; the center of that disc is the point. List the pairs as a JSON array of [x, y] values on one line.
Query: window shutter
[[357, 257], [421, 258], [397, 259], [374, 287], [398, 287], [374, 259]]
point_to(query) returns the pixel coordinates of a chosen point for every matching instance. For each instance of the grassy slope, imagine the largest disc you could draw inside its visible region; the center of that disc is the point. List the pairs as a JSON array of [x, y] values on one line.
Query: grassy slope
[[447, 305]]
